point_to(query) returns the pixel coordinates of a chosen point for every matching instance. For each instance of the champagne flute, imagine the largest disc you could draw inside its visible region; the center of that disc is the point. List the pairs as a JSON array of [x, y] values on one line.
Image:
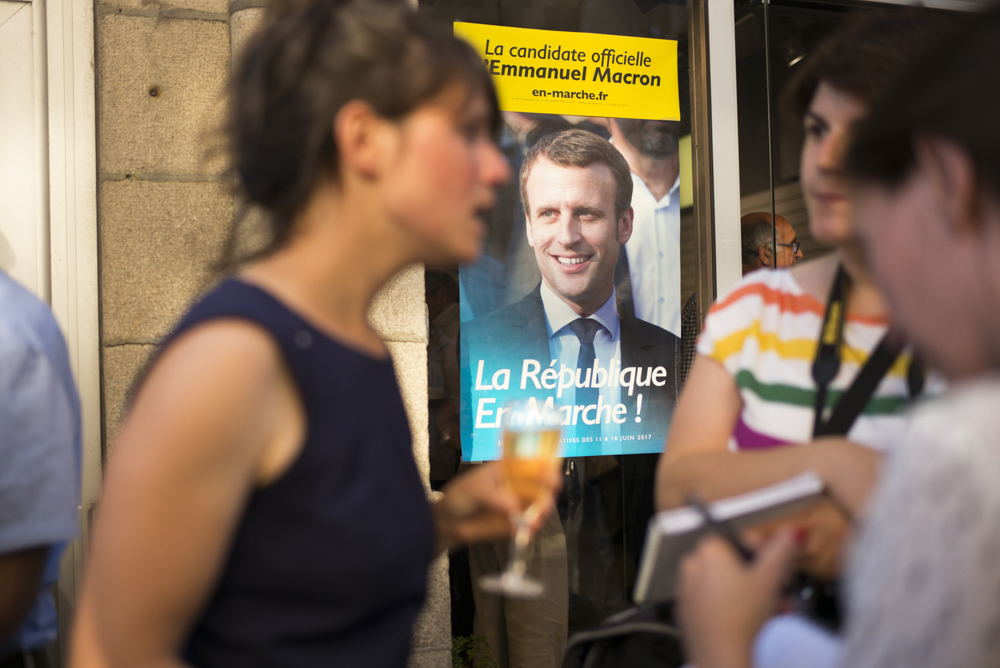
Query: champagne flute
[[531, 433]]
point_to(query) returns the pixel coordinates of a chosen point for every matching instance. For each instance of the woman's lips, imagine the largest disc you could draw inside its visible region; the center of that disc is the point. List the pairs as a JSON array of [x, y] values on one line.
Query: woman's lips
[[829, 198]]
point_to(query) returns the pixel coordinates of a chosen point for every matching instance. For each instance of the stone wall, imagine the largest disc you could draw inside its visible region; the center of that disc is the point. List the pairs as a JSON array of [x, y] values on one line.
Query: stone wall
[[164, 212]]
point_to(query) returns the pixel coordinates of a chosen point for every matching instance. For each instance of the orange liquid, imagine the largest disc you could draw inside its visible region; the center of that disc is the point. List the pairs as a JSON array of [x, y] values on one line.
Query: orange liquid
[[528, 460]]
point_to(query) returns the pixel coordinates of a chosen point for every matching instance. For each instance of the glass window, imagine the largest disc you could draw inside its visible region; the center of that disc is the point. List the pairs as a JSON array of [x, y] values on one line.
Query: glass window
[[772, 41], [568, 259]]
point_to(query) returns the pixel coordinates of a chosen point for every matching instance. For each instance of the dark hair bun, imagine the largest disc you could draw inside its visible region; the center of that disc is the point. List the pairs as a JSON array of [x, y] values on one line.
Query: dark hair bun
[[306, 61]]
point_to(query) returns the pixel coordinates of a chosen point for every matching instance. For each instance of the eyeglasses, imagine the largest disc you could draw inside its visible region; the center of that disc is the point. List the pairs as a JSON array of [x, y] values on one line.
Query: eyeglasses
[[795, 245]]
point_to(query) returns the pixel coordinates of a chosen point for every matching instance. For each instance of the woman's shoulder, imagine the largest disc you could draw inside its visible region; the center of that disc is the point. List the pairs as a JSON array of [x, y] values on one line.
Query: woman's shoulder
[[765, 288], [223, 339], [951, 446], [234, 298], [259, 309], [935, 513], [963, 415], [216, 388], [815, 276], [219, 353], [761, 300]]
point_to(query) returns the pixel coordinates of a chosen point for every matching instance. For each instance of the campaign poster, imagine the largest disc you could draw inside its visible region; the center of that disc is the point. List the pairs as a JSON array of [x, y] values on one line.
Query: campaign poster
[[576, 299]]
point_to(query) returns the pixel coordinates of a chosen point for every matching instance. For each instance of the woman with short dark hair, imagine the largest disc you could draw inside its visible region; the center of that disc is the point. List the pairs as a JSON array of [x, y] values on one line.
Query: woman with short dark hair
[[923, 581], [754, 385]]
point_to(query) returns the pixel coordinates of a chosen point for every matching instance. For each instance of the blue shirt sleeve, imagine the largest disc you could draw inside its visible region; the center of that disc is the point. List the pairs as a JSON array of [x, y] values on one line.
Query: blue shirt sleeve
[[39, 480]]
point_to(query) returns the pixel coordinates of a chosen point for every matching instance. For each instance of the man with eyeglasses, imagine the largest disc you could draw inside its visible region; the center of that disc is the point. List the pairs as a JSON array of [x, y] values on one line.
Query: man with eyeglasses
[[759, 241]]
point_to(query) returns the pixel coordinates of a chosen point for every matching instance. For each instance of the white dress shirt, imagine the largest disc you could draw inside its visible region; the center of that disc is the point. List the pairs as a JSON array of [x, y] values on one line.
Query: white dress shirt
[[654, 256], [564, 346]]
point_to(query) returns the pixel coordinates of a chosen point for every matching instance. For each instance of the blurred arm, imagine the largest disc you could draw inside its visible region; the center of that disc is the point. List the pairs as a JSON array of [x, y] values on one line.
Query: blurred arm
[[202, 432], [723, 603], [697, 458], [39, 471], [20, 579]]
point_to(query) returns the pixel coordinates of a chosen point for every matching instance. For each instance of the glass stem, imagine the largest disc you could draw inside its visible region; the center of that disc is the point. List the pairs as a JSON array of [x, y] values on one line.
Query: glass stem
[[519, 545]]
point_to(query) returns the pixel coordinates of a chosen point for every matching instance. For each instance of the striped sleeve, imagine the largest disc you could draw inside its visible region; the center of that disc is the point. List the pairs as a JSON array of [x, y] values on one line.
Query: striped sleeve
[[764, 334], [734, 317]]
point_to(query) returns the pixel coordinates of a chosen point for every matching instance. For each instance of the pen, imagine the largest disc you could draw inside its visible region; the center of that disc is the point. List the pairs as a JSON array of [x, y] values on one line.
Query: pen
[[723, 529]]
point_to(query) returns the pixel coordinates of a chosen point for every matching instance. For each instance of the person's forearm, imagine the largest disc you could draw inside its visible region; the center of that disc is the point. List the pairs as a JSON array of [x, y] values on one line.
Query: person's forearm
[[445, 535], [20, 579], [730, 654], [718, 474], [849, 471], [88, 650]]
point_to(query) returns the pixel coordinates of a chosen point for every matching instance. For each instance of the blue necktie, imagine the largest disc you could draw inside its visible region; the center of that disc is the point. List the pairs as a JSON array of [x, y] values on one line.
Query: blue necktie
[[585, 330]]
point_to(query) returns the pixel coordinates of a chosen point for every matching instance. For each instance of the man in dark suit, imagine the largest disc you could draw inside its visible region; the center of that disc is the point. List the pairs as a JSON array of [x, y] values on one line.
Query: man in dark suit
[[575, 190], [519, 332], [569, 340]]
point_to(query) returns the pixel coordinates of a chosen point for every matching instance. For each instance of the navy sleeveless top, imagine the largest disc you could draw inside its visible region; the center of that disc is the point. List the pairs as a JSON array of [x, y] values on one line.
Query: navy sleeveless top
[[329, 562]]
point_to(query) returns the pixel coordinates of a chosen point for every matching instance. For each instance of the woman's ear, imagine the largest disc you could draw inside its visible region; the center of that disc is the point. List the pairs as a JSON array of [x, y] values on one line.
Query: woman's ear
[[952, 179], [360, 135]]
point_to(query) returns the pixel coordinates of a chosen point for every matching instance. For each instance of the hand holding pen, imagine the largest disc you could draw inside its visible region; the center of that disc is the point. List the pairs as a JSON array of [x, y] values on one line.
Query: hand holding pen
[[727, 593], [721, 528]]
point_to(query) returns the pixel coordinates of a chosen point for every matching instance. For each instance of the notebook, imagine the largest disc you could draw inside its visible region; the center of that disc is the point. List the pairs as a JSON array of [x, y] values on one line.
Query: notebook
[[672, 533]]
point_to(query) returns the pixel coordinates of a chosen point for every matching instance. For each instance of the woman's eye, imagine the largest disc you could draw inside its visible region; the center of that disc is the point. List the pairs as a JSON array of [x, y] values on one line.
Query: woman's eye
[[470, 131], [814, 130]]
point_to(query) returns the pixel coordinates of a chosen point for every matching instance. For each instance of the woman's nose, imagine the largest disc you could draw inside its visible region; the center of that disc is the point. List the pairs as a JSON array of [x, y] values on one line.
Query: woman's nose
[[494, 168], [832, 150]]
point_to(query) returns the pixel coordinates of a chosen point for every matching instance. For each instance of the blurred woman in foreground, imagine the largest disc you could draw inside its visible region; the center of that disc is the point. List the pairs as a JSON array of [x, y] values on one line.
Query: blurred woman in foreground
[[924, 579], [753, 388], [262, 507]]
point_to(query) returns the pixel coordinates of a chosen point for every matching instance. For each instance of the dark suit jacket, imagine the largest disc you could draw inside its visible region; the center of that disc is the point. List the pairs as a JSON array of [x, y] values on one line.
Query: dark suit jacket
[[517, 332], [617, 506], [623, 283]]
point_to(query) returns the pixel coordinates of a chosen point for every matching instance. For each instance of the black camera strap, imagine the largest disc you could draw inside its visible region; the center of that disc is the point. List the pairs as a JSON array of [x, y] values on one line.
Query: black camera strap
[[818, 598], [826, 365]]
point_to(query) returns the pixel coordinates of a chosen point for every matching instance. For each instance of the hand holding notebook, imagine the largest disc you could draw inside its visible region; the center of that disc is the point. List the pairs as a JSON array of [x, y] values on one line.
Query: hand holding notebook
[[672, 533]]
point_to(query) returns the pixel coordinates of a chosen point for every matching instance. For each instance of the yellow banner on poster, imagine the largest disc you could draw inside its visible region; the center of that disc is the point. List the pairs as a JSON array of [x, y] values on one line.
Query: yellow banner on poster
[[578, 74]]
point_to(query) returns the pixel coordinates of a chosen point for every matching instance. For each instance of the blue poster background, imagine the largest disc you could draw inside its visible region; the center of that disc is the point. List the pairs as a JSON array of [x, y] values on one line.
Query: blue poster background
[[504, 350]]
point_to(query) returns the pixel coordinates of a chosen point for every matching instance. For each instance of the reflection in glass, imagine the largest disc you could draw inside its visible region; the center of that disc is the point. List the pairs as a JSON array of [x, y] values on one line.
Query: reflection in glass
[[530, 444], [587, 552]]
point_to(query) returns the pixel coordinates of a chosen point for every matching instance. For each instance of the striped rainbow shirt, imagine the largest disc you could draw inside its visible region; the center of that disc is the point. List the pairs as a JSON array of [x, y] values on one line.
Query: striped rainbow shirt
[[764, 332]]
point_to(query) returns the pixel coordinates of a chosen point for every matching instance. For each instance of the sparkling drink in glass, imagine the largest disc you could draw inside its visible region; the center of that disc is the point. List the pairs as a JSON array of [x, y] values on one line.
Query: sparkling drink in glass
[[531, 432]]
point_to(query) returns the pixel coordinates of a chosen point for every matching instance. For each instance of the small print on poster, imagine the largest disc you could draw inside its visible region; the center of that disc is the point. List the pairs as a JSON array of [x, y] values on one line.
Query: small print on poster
[[576, 299]]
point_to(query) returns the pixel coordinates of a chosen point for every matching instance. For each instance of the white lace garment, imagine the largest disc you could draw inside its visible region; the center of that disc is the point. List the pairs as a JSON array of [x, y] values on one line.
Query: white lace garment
[[924, 584]]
